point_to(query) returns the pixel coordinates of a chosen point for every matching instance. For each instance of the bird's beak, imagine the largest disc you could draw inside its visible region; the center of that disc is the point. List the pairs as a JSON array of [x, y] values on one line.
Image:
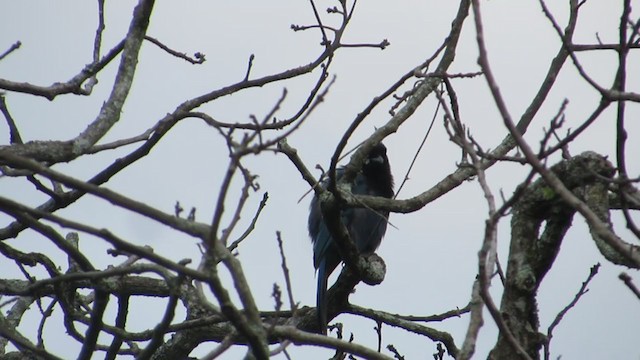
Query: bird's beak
[[378, 159]]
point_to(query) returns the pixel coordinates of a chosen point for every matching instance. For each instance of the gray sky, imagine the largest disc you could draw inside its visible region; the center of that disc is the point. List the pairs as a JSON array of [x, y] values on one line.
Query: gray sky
[[432, 255]]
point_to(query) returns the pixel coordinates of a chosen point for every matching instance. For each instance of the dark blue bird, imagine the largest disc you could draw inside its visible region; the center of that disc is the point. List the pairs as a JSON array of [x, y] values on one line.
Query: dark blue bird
[[366, 227]]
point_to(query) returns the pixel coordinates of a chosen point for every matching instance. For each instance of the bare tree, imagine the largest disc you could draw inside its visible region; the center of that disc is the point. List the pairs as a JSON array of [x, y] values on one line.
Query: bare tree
[[210, 299]]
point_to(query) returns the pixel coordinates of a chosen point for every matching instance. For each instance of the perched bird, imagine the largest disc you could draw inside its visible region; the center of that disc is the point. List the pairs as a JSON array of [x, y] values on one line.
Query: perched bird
[[366, 227]]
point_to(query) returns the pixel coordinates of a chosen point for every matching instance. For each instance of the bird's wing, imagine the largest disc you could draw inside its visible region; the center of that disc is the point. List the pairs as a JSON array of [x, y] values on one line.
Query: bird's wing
[[323, 244]]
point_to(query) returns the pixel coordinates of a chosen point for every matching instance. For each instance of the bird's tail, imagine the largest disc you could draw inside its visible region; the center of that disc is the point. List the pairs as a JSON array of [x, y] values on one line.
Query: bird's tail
[[321, 300]]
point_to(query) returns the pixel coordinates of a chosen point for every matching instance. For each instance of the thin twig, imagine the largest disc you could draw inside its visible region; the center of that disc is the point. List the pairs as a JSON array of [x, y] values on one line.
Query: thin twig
[[249, 66], [252, 225], [487, 254], [287, 278], [198, 57], [14, 133], [556, 321], [11, 49], [629, 282]]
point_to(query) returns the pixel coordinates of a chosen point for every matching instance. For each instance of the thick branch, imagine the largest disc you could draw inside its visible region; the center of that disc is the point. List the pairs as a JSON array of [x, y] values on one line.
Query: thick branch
[[532, 253]]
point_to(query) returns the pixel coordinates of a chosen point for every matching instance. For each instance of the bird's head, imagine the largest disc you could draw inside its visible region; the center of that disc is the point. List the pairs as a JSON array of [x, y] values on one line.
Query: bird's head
[[376, 160], [376, 168]]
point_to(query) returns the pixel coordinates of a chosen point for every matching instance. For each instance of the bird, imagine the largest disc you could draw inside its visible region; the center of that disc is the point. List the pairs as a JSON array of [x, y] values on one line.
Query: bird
[[366, 227]]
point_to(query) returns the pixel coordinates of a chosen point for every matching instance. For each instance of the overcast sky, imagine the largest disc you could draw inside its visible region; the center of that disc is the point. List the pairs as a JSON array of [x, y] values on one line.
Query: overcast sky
[[431, 255]]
